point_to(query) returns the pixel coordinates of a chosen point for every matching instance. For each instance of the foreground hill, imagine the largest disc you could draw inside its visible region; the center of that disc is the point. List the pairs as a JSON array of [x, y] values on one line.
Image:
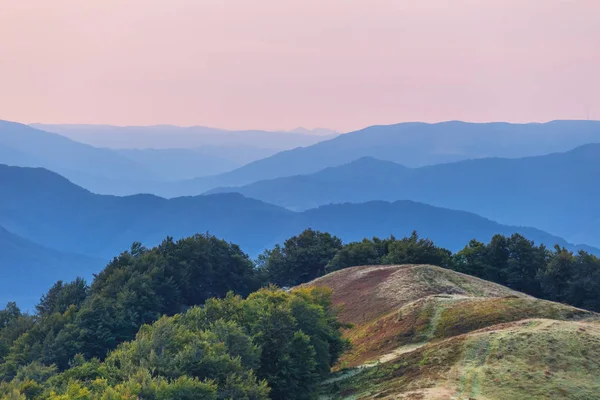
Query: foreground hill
[[422, 332], [523, 191], [29, 269], [50, 210], [410, 144]]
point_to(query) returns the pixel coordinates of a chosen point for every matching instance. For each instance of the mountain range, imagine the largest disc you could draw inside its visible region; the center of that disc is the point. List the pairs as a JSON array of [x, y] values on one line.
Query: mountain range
[[22, 145], [169, 136], [224, 158], [551, 192], [49, 210], [409, 144], [138, 170]]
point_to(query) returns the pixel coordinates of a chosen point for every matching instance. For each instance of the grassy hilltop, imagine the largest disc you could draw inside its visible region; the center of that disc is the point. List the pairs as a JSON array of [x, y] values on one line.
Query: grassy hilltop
[[422, 332]]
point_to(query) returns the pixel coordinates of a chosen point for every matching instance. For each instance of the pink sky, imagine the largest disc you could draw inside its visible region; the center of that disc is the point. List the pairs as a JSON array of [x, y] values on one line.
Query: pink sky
[[278, 64]]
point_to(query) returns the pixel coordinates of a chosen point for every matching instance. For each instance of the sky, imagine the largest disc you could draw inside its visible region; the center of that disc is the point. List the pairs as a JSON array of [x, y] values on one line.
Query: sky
[[279, 64]]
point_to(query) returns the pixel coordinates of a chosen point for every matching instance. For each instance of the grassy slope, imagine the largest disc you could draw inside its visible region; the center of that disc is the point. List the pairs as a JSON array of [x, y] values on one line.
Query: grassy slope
[[366, 293], [528, 359], [422, 332], [440, 317]]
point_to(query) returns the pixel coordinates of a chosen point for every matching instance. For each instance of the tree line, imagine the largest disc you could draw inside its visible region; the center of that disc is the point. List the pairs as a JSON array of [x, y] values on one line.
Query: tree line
[[198, 319]]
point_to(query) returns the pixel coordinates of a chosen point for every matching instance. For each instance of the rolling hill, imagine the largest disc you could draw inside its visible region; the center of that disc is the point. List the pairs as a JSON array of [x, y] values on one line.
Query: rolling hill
[[48, 209], [423, 332], [28, 269], [410, 144], [550, 192]]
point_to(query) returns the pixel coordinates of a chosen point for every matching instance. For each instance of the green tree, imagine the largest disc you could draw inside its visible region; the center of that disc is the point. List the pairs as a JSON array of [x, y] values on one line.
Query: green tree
[[415, 250], [303, 367], [473, 260], [366, 252], [301, 259], [497, 257], [584, 288], [524, 263], [61, 296], [9, 315], [557, 275]]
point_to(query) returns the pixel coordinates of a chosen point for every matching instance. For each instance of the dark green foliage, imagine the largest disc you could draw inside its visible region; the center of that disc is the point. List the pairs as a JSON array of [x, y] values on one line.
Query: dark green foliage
[[61, 296], [182, 273], [367, 252], [173, 349], [525, 260], [302, 368], [297, 333], [301, 259], [512, 261], [472, 260], [584, 283], [520, 264], [557, 275], [13, 324], [9, 315], [136, 288], [273, 344], [408, 250], [415, 250]]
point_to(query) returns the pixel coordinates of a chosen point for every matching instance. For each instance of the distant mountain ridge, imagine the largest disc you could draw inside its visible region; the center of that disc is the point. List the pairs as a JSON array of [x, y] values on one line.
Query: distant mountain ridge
[[551, 192], [28, 269], [48, 209], [409, 144], [25, 146], [112, 171], [170, 136]]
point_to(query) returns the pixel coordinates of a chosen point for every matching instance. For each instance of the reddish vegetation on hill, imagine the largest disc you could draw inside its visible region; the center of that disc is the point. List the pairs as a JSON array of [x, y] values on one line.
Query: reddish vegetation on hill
[[367, 292]]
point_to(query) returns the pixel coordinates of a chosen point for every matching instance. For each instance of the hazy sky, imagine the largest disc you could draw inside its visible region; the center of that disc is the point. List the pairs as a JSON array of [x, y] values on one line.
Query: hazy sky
[[274, 64]]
